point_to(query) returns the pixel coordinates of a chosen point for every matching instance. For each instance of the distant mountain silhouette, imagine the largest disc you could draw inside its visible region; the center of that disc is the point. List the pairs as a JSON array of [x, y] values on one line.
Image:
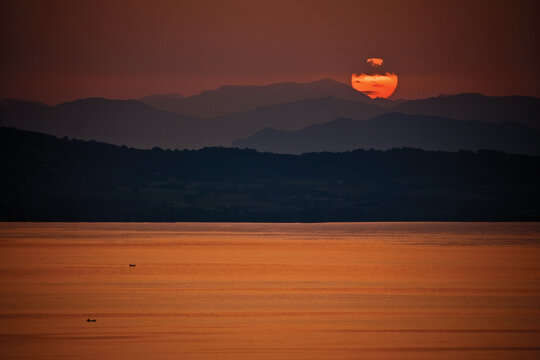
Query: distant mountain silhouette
[[134, 123], [32, 113], [122, 122], [288, 116], [239, 98], [497, 109], [166, 102], [396, 130], [21, 103]]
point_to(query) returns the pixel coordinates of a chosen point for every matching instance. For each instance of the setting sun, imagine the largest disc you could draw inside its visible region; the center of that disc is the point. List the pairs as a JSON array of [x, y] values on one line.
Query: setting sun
[[375, 85]]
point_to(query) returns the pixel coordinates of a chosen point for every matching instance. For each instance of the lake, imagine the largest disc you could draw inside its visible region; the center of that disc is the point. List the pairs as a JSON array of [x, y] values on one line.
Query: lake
[[270, 291]]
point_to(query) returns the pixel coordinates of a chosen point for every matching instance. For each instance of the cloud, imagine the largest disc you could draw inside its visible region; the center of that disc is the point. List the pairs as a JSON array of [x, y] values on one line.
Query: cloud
[[375, 62]]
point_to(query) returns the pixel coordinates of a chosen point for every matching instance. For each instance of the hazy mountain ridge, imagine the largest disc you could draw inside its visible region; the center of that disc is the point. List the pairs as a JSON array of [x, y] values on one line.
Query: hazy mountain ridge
[[229, 99], [394, 130], [103, 120], [471, 106], [9, 102], [133, 123], [165, 102], [121, 122], [286, 116]]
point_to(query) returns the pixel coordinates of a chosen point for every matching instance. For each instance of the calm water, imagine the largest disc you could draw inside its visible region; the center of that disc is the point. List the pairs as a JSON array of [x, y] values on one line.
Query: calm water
[[270, 291]]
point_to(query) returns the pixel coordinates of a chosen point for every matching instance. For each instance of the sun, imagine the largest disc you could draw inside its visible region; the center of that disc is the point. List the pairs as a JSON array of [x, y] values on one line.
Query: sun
[[377, 84]]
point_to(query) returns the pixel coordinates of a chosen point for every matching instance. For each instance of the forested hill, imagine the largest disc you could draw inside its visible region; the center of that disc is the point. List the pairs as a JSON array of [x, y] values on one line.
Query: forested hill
[[51, 179]]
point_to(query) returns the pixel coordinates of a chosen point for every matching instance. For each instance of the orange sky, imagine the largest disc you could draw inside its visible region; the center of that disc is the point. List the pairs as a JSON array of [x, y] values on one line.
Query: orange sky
[[56, 51]]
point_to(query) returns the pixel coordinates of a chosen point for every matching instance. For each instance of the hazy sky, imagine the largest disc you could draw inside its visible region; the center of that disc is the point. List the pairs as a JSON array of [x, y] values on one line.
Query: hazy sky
[[56, 51]]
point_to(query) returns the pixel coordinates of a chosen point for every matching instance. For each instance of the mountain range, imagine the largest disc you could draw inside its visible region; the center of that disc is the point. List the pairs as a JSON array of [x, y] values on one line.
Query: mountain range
[[395, 130], [288, 117], [525, 109], [239, 98], [122, 122]]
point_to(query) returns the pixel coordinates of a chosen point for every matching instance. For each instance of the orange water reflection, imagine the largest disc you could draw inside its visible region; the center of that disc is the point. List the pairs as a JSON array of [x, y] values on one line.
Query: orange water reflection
[[270, 291]]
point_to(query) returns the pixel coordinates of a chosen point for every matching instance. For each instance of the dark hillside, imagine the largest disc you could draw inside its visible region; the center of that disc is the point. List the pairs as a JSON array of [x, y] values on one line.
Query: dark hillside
[[51, 179]]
